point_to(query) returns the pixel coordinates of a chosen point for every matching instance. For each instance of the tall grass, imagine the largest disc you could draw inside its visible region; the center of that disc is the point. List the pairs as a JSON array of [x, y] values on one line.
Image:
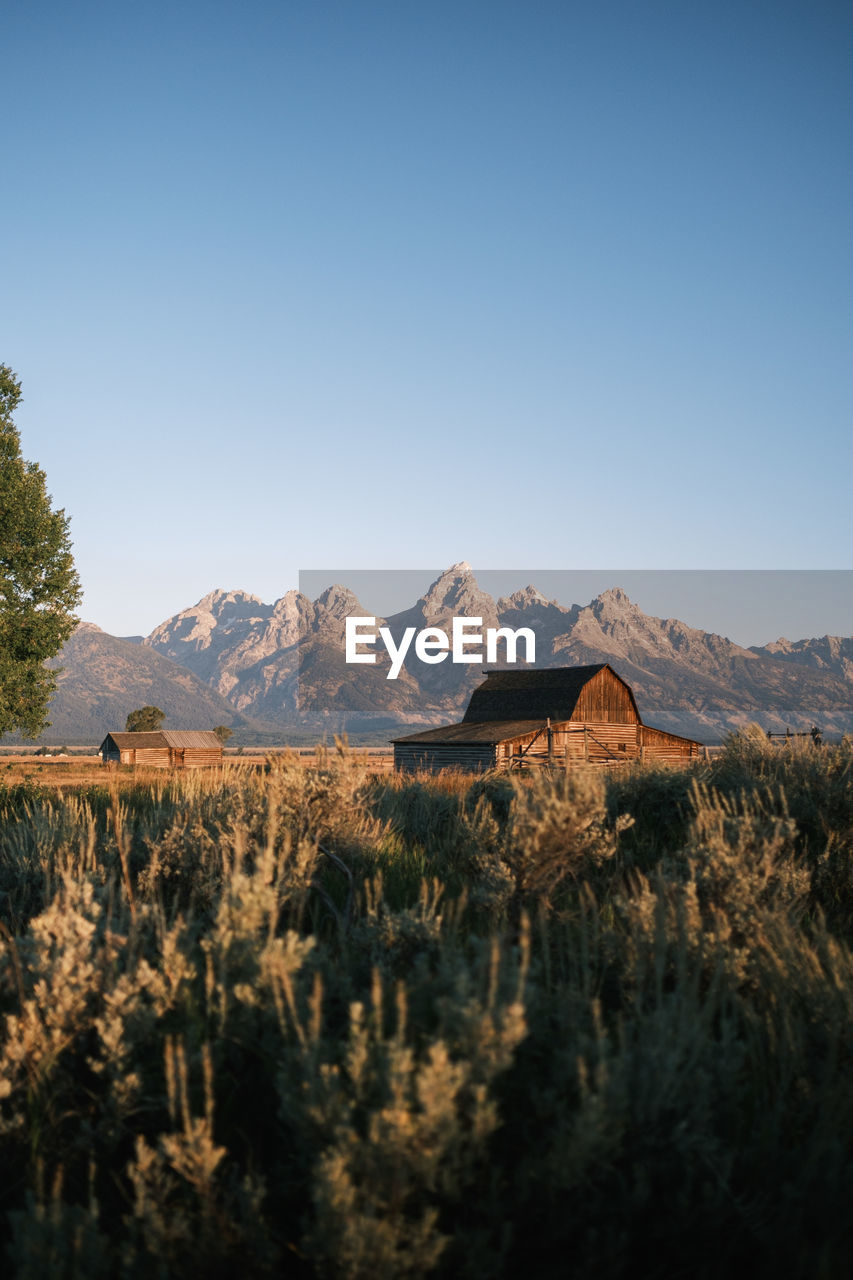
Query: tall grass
[[319, 1024]]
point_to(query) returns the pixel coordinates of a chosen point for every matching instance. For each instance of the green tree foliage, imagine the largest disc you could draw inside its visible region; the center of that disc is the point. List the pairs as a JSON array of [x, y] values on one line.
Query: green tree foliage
[[39, 587], [223, 733], [145, 720]]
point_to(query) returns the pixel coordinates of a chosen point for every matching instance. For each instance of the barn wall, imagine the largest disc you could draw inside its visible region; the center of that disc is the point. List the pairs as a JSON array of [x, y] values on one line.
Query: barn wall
[[174, 757], [592, 743], [605, 700], [598, 742], [529, 748], [659, 745], [156, 756], [571, 744], [201, 757], [472, 757]]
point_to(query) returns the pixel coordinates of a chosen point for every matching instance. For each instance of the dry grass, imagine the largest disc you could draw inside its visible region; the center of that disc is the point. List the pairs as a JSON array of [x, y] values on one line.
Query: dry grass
[[72, 772], [317, 1021]]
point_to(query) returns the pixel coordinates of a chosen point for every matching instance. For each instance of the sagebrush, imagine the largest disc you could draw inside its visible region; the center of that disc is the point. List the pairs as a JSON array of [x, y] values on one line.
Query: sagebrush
[[316, 1023]]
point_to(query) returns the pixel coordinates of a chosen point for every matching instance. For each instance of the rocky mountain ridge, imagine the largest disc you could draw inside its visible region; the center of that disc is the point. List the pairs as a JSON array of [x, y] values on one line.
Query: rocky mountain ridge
[[825, 653], [284, 663], [279, 670]]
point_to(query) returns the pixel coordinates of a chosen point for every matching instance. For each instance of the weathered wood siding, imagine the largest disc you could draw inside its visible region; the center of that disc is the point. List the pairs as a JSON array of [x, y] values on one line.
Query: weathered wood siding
[[409, 757], [570, 744], [657, 744], [524, 748], [167, 757], [598, 742], [156, 757], [595, 743], [199, 757], [606, 700]]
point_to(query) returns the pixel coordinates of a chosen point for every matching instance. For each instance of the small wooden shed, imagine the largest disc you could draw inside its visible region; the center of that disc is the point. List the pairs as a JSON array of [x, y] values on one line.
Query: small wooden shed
[[557, 715], [163, 748]]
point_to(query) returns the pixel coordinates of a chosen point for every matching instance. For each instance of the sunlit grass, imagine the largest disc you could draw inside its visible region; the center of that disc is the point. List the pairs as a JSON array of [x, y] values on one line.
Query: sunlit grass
[[311, 1020]]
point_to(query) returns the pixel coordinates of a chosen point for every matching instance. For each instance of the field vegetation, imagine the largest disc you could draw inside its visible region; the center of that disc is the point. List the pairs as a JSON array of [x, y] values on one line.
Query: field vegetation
[[314, 1022]]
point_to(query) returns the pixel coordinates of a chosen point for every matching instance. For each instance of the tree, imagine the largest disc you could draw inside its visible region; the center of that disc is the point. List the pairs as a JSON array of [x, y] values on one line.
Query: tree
[[39, 586], [223, 733], [145, 720]]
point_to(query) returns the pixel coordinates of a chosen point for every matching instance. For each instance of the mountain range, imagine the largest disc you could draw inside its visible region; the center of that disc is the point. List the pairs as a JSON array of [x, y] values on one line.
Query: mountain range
[[102, 677], [278, 670]]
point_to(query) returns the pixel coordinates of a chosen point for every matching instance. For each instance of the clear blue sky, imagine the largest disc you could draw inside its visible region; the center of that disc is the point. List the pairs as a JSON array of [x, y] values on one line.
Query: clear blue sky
[[394, 284]]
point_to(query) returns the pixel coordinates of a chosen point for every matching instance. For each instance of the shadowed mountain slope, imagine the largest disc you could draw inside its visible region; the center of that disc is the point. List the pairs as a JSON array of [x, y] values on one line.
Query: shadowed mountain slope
[[103, 678]]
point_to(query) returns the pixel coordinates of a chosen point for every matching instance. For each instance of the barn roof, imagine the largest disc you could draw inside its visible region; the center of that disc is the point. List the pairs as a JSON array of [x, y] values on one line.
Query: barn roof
[[191, 738], [166, 738], [490, 732], [543, 693]]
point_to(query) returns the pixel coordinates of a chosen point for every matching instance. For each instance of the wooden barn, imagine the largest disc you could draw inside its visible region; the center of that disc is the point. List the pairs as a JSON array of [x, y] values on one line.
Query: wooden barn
[[559, 716], [164, 748]]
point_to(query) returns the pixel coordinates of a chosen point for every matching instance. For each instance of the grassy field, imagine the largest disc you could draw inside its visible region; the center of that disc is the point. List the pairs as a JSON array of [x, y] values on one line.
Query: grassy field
[[318, 1022], [70, 772]]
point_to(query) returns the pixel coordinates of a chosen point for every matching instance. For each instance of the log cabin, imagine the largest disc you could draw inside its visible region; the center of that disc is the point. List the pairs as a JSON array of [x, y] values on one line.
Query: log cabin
[[164, 748], [556, 716]]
